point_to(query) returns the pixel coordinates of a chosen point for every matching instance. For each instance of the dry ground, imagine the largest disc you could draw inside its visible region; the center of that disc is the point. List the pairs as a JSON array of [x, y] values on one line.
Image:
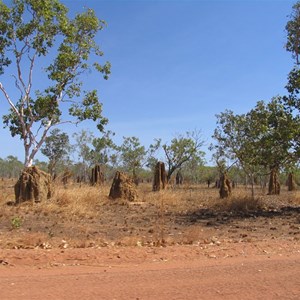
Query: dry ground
[[183, 243], [81, 217]]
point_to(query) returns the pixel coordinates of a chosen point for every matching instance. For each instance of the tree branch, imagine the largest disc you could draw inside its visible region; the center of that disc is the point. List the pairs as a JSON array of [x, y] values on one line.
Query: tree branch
[[10, 102]]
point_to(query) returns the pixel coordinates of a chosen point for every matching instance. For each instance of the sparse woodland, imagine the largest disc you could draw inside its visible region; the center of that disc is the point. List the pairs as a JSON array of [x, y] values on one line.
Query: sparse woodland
[[176, 197]]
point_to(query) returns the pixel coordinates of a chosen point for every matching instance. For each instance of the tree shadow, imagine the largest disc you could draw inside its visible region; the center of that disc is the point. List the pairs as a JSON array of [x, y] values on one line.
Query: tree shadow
[[216, 217]]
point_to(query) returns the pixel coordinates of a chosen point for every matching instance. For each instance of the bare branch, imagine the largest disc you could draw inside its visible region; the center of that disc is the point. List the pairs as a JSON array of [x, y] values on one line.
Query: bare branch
[[18, 55], [10, 101], [32, 60], [17, 85], [28, 89]]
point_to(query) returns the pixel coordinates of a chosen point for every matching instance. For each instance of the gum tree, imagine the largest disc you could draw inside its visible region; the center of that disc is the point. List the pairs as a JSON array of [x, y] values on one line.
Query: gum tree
[[276, 130], [183, 149], [132, 154], [10, 167], [263, 139], [236, 143], [292, 101], [102, 148], [56, 148], [44, 53], [135, 156], [82, 146]]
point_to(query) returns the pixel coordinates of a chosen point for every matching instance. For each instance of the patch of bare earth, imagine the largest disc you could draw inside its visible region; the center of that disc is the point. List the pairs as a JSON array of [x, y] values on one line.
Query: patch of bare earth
[[182, 243]]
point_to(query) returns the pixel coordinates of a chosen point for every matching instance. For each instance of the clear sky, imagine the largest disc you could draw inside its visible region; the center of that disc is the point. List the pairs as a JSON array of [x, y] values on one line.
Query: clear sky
[[176, 64]]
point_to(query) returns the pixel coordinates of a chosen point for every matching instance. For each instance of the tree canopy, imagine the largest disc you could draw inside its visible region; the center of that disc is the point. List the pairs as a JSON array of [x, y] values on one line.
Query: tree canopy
[[56, 148], [262, 140], [292, 100], [41, 40], [183, 149]]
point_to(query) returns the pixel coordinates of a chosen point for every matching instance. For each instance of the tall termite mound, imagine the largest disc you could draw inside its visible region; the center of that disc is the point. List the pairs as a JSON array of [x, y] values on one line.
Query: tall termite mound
[[67, 175], [33, 185], [160, 177], [225, 186], [179, 178], [291, 183], [123, 187], [274, 184], [97, 176]]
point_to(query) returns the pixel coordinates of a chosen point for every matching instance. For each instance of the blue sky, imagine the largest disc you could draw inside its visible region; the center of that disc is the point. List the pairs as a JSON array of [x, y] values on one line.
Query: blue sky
[[176, 64]]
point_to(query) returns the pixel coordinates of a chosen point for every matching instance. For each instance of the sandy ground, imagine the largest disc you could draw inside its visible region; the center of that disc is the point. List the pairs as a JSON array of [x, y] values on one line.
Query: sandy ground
[[180, 244], [267, 269]]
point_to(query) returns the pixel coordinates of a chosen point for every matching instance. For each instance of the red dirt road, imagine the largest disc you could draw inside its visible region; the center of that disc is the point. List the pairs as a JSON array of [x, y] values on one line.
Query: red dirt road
[[242, 271]]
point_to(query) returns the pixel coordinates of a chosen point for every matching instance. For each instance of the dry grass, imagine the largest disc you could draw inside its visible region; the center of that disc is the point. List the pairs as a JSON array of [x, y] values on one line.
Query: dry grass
[[241, 202], [85, 217], [79, 201]]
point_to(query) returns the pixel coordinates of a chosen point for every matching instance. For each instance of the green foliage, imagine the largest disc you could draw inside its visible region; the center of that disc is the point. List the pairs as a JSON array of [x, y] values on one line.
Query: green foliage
[[293, 32], [102, 146], [89, 109], [30, 32], [42, 165], [16, 222], [265, 137], [293, 45], [83, 143], [151, 158], [208, 173], [292, 101], [56, 148], [10, 167], [192, 170], [94, 150], [182, 149], [132, 154]]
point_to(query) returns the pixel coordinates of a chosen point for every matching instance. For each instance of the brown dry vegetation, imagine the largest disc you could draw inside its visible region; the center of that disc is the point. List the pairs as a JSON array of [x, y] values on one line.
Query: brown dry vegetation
[[80, 217]]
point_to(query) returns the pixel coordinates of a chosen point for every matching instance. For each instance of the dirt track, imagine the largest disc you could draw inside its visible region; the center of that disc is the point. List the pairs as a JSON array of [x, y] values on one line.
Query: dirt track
[[242, 271], [82, 247]]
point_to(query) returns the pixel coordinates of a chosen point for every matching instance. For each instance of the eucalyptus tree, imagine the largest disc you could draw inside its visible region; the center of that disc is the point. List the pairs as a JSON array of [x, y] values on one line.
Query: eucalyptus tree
[[292, 101], [132, 154], [10, 167], [13, 166], [151, 154], [192, 170], [263, 140], [293, 33], [46, 52], [56, 148], [102, 148], [278, 139], [268, 137], [182, 149], [83, 142], [237, 143]]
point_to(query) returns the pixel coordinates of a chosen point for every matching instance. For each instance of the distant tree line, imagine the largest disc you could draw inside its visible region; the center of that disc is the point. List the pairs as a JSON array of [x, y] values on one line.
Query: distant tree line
[[250, 147], [182, 153], [265, 140]]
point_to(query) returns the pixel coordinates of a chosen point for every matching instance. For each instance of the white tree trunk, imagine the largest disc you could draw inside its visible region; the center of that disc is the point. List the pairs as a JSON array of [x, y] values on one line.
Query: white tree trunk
[[28, 162]]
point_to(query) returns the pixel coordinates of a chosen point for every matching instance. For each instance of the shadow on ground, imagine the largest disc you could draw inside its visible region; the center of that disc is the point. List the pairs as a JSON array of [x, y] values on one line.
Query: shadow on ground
[[215, 218]]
